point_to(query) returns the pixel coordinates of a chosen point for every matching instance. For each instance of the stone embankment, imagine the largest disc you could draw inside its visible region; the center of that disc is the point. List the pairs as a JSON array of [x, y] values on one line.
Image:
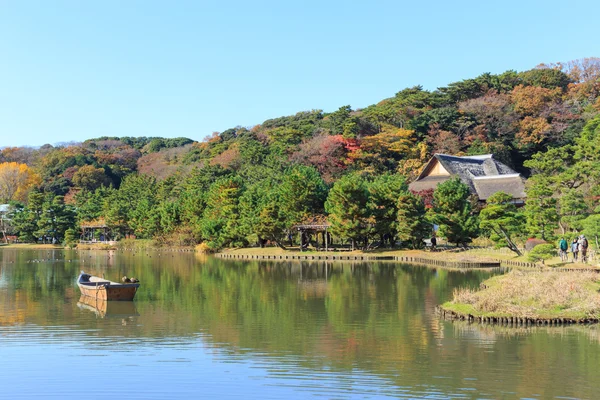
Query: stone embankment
[[511, 321]]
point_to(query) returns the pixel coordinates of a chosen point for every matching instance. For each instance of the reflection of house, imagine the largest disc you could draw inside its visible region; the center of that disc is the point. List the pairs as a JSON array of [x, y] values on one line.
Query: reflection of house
[[483, 174]]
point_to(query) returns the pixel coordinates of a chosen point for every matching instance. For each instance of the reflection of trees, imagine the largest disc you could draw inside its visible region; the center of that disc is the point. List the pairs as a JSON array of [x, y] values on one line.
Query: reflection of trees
[[376, 317]]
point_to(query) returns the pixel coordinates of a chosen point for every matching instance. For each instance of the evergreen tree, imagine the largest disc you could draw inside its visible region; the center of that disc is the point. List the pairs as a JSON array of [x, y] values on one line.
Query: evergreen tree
[[302, 192], [220, 225], [348, 209], [501, 218], [412, 226], [384, 192], [453, 212]]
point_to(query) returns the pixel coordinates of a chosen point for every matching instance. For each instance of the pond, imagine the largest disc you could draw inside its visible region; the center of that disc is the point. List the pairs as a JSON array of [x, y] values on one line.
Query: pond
[[205, 327]]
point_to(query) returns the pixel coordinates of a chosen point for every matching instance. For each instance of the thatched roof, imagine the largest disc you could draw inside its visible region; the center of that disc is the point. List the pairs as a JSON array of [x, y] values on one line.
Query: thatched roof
[[314, 222], [512, 184], [483, 174], [94, 224]]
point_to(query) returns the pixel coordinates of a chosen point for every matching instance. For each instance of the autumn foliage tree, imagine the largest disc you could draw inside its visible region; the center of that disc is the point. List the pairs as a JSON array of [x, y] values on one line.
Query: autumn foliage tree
[[16, 180]]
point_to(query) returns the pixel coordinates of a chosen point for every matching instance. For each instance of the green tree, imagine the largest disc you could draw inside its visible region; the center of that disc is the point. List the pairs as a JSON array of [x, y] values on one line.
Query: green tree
[[69, 239], [25, 219], [412, 225], [348, 209], [90, 178], [261, 213], [302, 192], [220, 223], [591, 226], [542, 252], [384, 192], [453, 212], [56, 217], [501, 218], [540, 208], [572, 210]]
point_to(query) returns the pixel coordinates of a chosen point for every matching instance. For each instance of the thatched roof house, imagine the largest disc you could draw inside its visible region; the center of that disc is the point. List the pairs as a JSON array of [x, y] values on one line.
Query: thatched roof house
[[483, 174]]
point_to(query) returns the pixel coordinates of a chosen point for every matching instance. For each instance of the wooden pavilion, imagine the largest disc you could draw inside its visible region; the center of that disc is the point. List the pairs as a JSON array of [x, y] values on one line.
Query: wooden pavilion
[[95, 231], [315, 225]]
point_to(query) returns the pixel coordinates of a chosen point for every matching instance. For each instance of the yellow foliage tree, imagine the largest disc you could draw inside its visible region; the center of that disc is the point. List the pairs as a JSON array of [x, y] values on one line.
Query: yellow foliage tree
[[16, 180]]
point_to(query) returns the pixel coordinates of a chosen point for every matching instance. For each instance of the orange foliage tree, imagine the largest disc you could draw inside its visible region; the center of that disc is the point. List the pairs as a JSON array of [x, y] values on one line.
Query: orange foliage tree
[[16, 180]]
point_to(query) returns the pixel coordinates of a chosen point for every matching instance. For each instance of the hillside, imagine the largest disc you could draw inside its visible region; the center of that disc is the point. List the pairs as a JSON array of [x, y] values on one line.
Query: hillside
[[514, 115]]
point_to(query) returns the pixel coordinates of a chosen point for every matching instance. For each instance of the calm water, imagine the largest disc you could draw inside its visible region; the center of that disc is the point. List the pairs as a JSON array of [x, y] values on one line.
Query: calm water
[[202, 327]]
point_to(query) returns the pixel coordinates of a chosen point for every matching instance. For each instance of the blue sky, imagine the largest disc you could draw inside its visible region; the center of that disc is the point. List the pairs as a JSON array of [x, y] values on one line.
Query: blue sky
[[73, 70]]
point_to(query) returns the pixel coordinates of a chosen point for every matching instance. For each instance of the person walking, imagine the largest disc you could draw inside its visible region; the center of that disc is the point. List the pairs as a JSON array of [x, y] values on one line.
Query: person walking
[[583, 246], [575, 249], [563, 246]]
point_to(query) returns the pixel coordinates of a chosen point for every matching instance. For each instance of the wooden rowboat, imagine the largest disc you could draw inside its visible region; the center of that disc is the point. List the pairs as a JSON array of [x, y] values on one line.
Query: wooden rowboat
[[99, 288]]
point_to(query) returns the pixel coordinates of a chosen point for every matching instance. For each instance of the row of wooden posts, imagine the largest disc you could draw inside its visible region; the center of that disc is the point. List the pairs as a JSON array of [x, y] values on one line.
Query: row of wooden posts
[[403, 259]]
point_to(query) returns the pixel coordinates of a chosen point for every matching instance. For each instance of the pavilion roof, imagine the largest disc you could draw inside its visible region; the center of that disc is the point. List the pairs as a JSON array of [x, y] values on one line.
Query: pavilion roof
[[95, 223]]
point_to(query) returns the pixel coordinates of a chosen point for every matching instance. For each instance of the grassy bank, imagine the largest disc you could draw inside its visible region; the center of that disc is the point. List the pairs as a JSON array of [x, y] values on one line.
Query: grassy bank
[[447, 254], [440, 255], [535, 295], [31, 246]]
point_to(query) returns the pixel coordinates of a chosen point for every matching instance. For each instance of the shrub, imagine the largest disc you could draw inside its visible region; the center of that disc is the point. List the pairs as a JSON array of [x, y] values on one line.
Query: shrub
[[203, 248], [69, 240], [531, 243], [542, 252]]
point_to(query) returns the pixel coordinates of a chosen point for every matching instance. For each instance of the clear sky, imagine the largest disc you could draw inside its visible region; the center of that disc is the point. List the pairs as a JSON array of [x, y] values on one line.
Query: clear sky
[[73, 70]]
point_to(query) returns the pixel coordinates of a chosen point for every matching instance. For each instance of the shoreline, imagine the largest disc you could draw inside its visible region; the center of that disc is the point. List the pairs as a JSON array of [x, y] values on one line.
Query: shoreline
[[445, 258], [421, 259], [452, 315], [528, 298]]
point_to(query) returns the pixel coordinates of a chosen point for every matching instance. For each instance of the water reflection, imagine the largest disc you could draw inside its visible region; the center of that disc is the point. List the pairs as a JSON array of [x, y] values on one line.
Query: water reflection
[[103, 308], [280, 329]]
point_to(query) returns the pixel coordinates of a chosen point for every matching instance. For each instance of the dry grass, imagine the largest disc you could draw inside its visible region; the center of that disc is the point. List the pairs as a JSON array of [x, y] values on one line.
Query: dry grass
[[31, 246], [532, 294]]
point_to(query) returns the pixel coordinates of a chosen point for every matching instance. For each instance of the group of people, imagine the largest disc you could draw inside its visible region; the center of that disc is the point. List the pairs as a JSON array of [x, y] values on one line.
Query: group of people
[[578, 248]]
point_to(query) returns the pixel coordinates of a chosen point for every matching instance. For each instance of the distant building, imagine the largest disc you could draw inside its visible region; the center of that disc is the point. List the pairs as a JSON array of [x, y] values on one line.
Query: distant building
[[483, 174]]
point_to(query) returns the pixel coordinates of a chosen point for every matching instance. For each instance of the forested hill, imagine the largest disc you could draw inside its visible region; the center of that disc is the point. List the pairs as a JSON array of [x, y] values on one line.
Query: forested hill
[[513, 115]]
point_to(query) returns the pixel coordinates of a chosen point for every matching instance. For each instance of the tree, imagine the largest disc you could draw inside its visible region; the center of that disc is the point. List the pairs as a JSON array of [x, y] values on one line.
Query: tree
[[542, 252], [261, 213], [69, 239], [500, 216], [324, 152], [412, 225], [90, 178], [348, 208], [302, 192], [540, 209], [384, 191], [591, 226], [220, 223], [56, 217], [25, 219], [16, 180], [453, 212]]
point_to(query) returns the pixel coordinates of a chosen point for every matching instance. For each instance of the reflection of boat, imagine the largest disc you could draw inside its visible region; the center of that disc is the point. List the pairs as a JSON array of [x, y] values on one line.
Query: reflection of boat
[[99, 288], [102, 308]]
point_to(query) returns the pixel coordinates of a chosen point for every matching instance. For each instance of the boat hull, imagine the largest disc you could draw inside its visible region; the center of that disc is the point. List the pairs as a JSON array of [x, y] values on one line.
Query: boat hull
[[109, 293], [101, 289]]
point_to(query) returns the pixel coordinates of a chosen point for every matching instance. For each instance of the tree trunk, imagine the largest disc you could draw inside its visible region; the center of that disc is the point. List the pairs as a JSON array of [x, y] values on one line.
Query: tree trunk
[[510, 244], [281, 246]]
